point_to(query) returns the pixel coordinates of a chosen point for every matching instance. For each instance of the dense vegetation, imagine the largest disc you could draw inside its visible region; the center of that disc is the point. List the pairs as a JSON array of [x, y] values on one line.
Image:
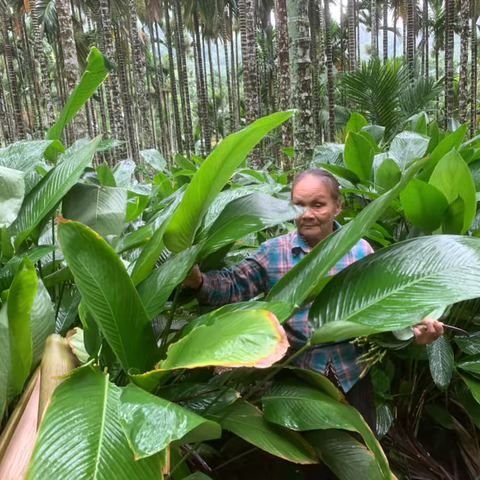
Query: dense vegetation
[[97, 257]]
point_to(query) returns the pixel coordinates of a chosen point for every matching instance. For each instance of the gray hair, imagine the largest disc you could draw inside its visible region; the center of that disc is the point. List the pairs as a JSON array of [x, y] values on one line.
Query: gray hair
[[324, 176]]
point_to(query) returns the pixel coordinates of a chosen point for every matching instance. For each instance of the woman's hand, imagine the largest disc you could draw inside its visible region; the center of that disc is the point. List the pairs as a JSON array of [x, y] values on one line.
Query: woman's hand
[[427, 331], [194, 279]]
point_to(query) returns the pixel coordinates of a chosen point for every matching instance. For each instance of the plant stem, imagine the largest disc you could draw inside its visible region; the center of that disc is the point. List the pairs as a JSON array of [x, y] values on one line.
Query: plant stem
[[164, 340]]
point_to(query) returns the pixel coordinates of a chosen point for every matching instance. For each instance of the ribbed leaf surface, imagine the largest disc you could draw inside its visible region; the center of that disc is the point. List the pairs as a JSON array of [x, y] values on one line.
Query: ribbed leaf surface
[[152, 423], [295, 405], [51, 189], [81, 438], [24, 155], [398, 286], [247, 421], [344, 455], [212, 176], [440, 359], [12, 191], [109, 294]]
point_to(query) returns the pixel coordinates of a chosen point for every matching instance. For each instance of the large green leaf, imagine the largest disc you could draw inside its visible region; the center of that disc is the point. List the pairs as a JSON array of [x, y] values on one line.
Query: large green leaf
[[19, 306], [470, 364], [407, 146], [473, 384], [102, 209], [388, 174], [301, 407], [397, 286], [450, 142], [105, 175], [8, 271], [440, 359], [470, 344], [453, 178], [5, 365], [212, 176], [25, 155], [355, 123], [244, 338], [95, 73], [344, 455], [154, 158], [12, 191], [297, 285], [51, 189], [340, 171], [81, 437], [247, 421], [246, 215], [157, 287], [424, 205], [123, 173], [358, 155], [109, 294], [151, 423]]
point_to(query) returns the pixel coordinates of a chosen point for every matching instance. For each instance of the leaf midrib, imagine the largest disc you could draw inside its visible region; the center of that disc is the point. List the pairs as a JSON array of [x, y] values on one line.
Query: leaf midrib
[[102, 426]]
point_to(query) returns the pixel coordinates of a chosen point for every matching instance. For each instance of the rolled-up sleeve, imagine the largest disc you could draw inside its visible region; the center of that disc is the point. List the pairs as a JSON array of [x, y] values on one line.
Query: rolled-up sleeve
[[241, 282]]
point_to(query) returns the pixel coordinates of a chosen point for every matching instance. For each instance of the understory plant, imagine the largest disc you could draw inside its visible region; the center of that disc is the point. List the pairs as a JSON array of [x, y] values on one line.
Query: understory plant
[[147, 383]]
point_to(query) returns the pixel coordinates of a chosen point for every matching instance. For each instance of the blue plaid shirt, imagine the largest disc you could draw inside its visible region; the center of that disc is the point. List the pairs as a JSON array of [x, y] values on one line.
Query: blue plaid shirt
[[259, 273]]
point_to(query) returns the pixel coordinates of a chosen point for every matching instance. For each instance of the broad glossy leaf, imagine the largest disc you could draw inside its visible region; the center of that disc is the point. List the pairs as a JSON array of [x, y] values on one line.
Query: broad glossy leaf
[[376, 131], [246, 215], [51, 189], [123, 172], [397, 286], [157, 287], [5, 365], [100, 208], [453, 218], [76, 341], [329, 153], [95, 73], [12, 191], [388, 174], [138, 198], [475, 171], [407, 146], [358, 155], [245, 338], [34, 255], [105, 175], [42, 321], [67, 311], [81, 437], [355, 123], [184, 163], [449, 143], [109, 294], [19, 307], [470, 364], [151, 423], [419, 122], [247, 421], [341, 172], [212, 176], [24, 155], [134, 239], [470, 344], [440, 359], [153, 248], [303, 279], [453, 178], [318, 381], [154, 158], [473, 384], [384, 420], [345, 456], [199, 396], [424, 205], [301, 407], [282, 311]]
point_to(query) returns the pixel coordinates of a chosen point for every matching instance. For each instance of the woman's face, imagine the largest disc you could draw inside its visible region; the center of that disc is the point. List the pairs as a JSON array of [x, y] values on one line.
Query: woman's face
[[317, 221]]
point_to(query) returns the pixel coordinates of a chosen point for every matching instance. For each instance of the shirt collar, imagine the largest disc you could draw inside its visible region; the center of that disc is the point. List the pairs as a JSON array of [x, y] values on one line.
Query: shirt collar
[[298, 242]]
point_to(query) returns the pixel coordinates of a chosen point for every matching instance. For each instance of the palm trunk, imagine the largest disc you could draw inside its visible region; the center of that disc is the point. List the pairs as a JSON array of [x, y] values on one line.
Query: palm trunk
[[70, 62], [298, 26], [463, 79], [234, 71], [214, 97], [473, 74], [330, 92], [411, 37], [449, 46], [203, 101], [173, 82], [227, 68], [314, 59], [4, 122], [352, 53], [187, 113], [385, 30], [426, 33], [374, 27], [220, 88], [395, 18], [281, 25], [15, 95]]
